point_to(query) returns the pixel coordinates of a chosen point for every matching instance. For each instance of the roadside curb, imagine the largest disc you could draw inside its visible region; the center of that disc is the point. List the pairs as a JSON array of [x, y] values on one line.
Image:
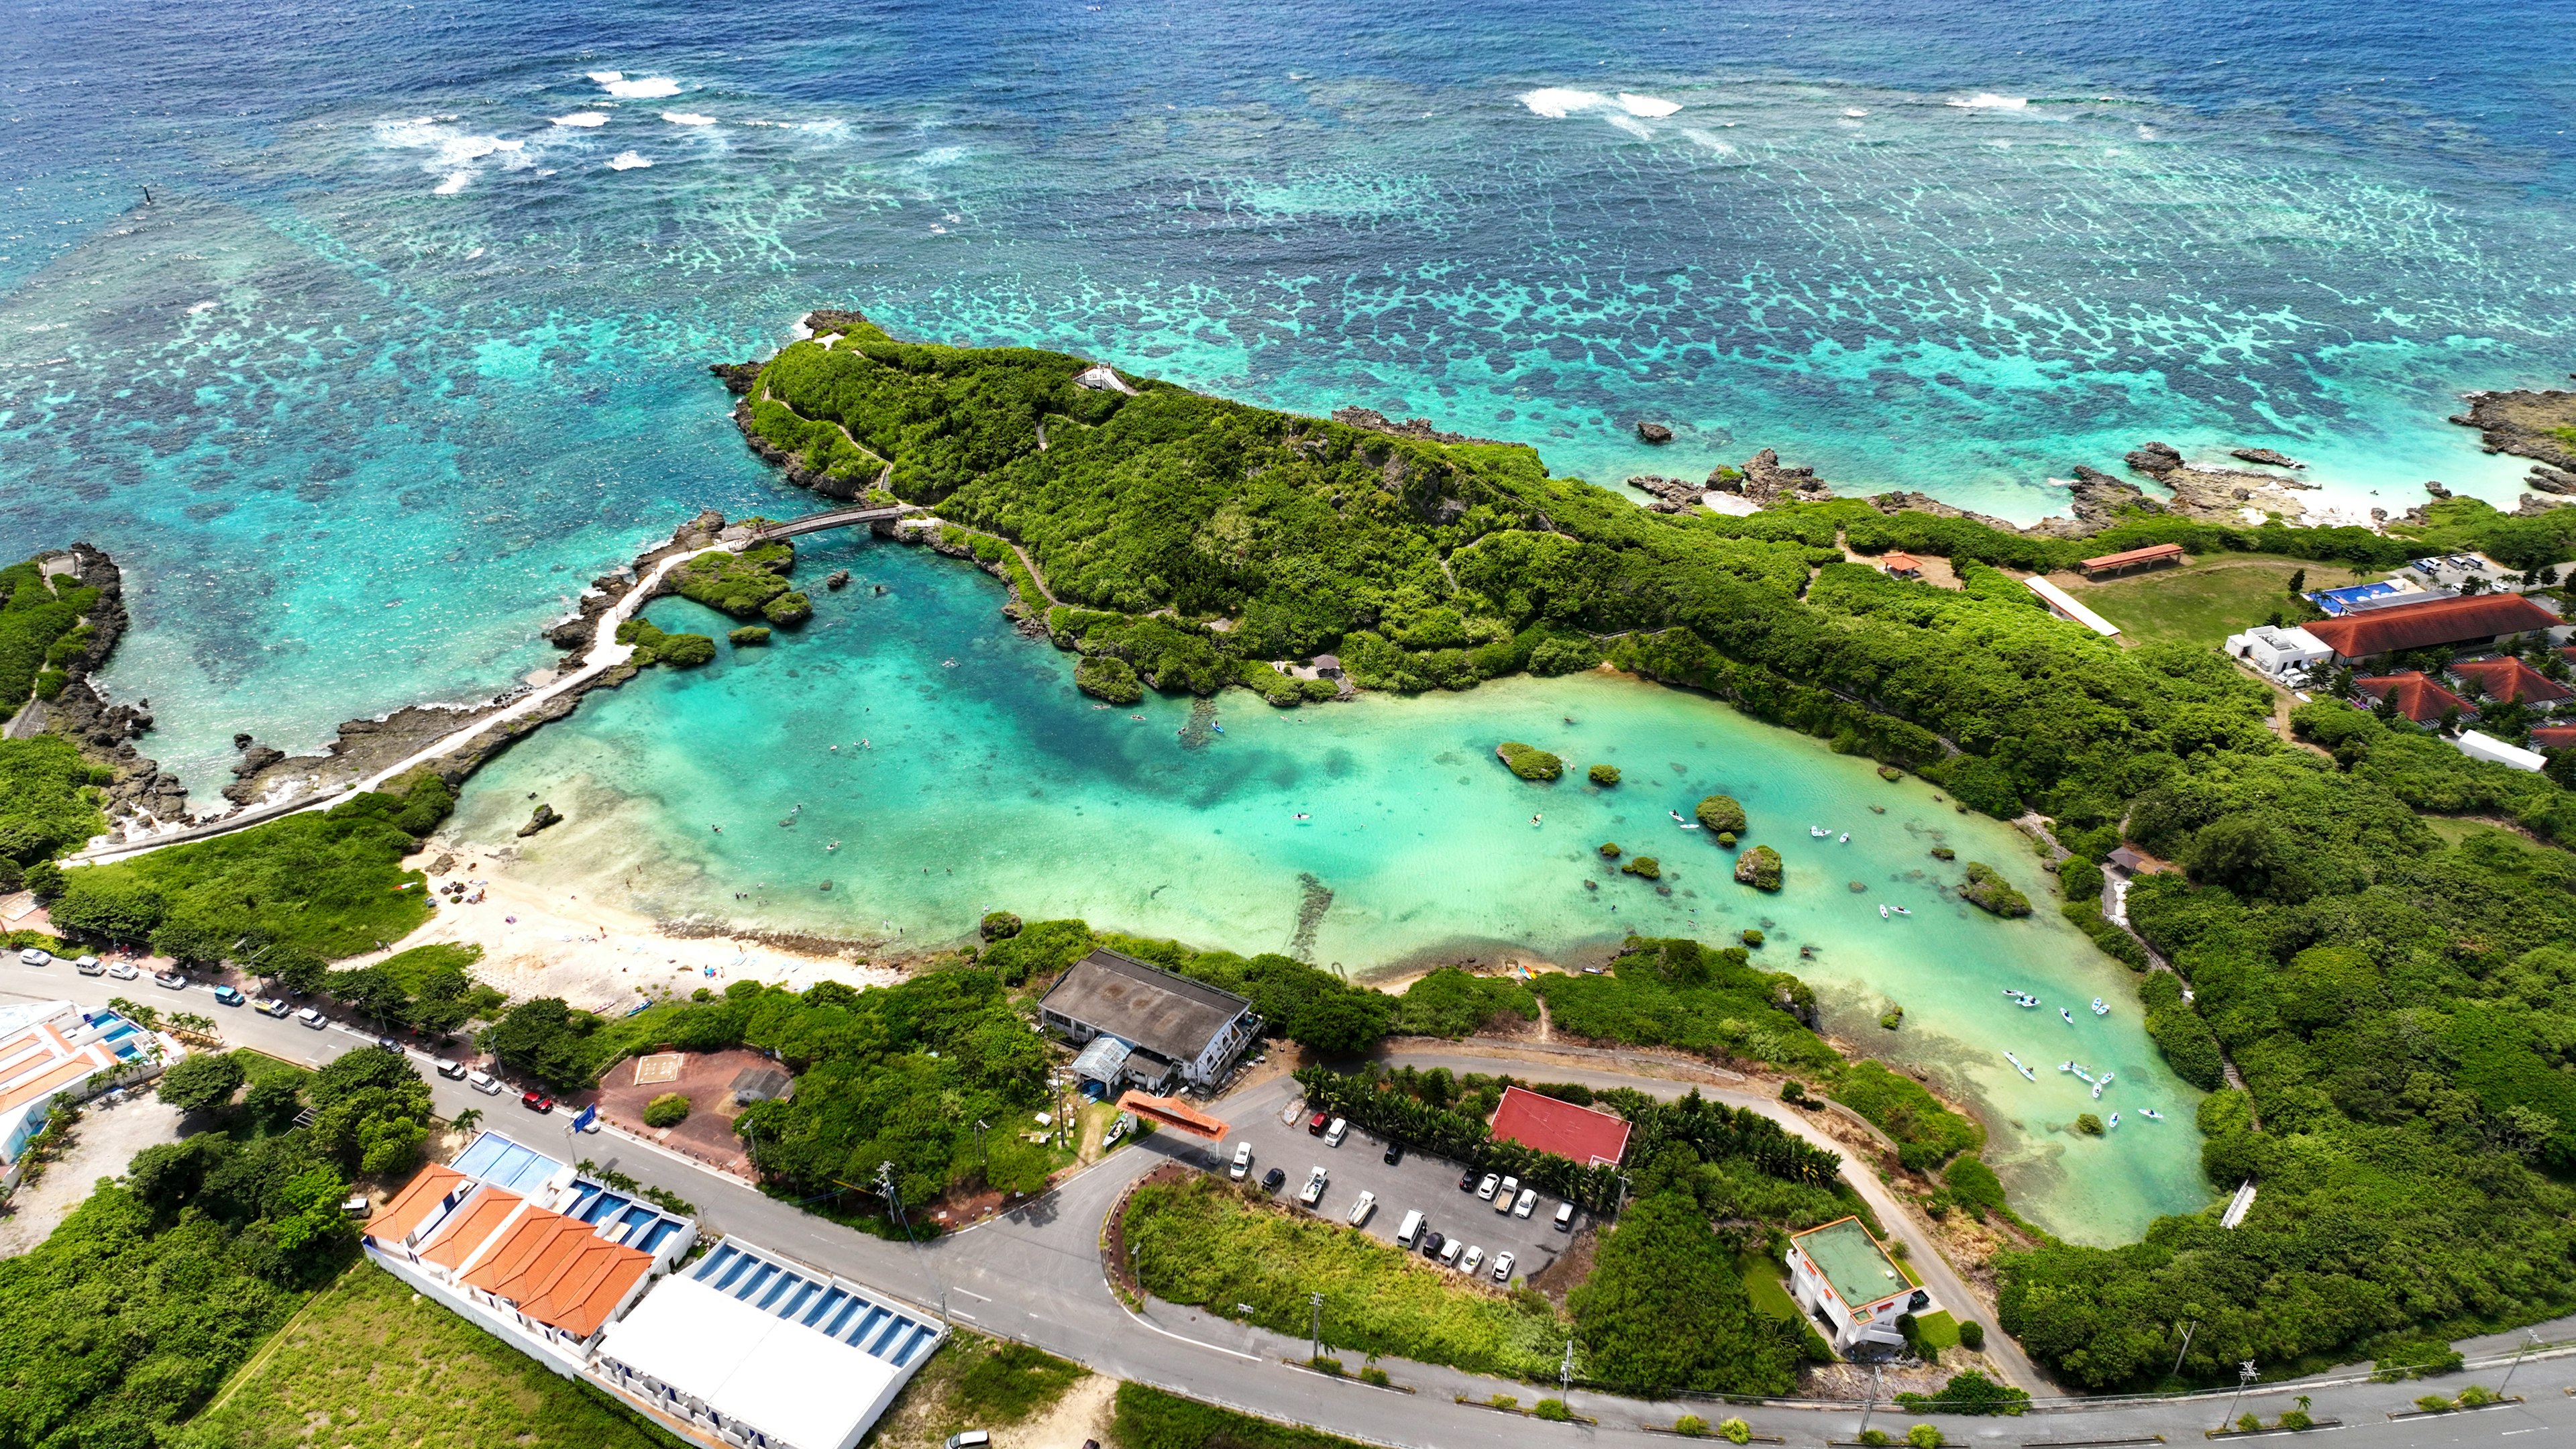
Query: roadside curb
[[1354, 1379]]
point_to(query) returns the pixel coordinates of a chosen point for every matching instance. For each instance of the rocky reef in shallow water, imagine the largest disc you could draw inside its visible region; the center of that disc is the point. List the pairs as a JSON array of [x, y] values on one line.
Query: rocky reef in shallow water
[[2539, 425]]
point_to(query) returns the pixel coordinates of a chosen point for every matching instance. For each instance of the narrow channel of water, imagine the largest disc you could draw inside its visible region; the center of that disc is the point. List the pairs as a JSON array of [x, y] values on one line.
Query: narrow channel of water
[[959, 770]]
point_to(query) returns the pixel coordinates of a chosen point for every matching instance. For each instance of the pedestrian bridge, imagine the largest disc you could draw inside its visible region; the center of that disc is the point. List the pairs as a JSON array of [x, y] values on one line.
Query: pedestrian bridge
[[831, 518]]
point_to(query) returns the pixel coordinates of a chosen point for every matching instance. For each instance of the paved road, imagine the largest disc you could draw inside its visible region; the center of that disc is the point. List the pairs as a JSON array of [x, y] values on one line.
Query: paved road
[[1034, 1274]]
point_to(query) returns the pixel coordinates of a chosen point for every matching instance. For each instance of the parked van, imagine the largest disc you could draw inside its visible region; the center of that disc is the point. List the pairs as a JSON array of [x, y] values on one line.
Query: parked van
[[1411, 1229], [971, 1439], [450, 1068], [1565, 1217], [483, 1082], [1333, 1135], [90, 966], [1449, 1254]]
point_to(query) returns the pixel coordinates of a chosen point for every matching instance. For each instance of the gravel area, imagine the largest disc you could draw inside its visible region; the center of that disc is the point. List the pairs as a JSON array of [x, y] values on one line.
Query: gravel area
[[106, 1139]]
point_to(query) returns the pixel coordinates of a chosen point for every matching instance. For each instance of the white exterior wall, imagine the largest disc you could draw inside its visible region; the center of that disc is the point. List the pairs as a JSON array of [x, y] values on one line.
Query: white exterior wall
[[555, 1352], [1808, 1285], [2496, 752]]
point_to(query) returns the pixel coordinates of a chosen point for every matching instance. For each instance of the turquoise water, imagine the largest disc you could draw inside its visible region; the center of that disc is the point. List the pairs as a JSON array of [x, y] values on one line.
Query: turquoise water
[[397, 356], [985, 781]]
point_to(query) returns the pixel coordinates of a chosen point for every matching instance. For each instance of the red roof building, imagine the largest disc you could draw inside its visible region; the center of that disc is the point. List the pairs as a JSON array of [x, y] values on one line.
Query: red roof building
[[2416, 696], [2553, 737], [1578, 1134], [2469, 619], [1901, 565], [2154, 555], [2511, 679]]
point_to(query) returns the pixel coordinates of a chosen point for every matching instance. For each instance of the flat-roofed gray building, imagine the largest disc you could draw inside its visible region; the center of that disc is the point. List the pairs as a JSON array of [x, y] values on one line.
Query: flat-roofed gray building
[[1173, 1027]]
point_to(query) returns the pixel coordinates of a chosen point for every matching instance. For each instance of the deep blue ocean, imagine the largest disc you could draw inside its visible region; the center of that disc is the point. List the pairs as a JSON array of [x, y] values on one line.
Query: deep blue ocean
[[410, 339]]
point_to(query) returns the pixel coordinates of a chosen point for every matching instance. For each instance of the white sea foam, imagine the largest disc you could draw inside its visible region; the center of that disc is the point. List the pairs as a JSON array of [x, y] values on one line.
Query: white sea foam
[[1557, 103], [456, 181], [608, 77], [1854, 111], [453, 154], [642, 88], [627, 161], [193, 309], [1989, 101], [687, 118], [1632, 126], [582, 118], [1648, 106]]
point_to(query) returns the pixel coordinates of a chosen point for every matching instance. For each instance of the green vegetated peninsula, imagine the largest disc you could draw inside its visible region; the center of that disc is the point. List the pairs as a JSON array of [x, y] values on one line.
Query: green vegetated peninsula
[[2394, 999]]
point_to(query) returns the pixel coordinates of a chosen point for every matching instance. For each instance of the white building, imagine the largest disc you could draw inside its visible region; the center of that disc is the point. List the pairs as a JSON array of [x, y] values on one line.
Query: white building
[[755, 1350], [526, 1248], [2496, 752], [51, 1053], [1841, 1275], [2277, 652]]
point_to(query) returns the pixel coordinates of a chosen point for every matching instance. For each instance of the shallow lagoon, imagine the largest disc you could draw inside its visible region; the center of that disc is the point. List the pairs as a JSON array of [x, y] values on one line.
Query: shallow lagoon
[[970, 775]]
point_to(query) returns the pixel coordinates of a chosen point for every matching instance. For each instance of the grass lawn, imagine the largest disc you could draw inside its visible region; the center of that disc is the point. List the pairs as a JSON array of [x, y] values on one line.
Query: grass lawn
[[2204, 602], [1938, 1329], [1151, 1419], [1203, 1243], [365, 1363], [1770, 1293]]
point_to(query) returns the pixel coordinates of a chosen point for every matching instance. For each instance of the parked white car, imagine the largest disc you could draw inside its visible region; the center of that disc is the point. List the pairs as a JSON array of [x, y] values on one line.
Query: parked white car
[[1449, 1254], [1242, 1161], [1411, 1230], [1334, 1134], [1485, 1189], [1565, 1217], [310, 1017], [122, 971], [34, 956], [1468, 1264], [1503, 1267], [484, 1082], [1526, 1204], [1313, 1192], [1361, 1209]]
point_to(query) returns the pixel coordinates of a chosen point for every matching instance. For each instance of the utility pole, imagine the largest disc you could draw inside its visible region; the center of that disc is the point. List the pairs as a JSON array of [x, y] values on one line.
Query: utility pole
[[2244, 1376], [1315, 1349], [1565, 1371], [2188, 1330], [1870, 1403], [982, 1155], [885, 1185], [2527, 1339]]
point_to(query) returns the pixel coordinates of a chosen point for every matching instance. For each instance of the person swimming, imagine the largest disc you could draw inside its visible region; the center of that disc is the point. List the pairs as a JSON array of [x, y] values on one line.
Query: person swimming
[[1536, 818], [1302, 815]]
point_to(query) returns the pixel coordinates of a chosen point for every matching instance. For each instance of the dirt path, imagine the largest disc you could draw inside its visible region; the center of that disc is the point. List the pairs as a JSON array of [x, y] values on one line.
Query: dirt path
[[104, 1142]]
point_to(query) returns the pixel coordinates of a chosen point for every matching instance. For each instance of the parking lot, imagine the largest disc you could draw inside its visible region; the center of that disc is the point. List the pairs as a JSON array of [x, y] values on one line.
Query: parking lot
[[1420, 1182]]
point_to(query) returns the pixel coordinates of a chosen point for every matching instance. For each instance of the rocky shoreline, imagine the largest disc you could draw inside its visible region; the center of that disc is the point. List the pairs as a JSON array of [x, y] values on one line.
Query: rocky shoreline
[[2539, 425], [139, 788]]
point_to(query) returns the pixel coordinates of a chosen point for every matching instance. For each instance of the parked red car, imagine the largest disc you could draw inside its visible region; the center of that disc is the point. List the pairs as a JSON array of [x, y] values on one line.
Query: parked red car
[[1315, 1125], [536, 1101]]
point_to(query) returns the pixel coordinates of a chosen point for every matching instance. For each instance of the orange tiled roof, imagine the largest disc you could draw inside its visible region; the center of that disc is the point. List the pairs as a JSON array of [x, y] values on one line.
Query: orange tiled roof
[[559, 1272], [469, 1227], [2416, 697], [405, 1211], [2438, 621], [2512, 679], [1895, 562], [2553, 737]]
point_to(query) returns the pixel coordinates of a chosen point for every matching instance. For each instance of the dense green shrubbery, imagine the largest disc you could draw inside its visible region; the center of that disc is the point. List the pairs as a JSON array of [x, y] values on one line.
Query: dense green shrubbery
[[1720, 814], [1106, 676], [1449, 1002], [1603, 775], [1148, 1418], [1759, 868], [429, 987], [1529, 763], [740, 584], [749, 636], [1680, 993], [327, 882], [1665, 1309], [667, 1110], [1988, 891], [127, 1318], [49, 802], [652, 646], [1927, 1134], [40, 628]]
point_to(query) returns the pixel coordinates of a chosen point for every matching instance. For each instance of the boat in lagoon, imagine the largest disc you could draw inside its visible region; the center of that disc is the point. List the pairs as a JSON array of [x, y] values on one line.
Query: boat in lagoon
[[1902, 911], [2115, 1121], [2099, 1009], [2070, 1016], [2026, 1073], [2151, 1114], [1846, 837], [1882, 913]]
